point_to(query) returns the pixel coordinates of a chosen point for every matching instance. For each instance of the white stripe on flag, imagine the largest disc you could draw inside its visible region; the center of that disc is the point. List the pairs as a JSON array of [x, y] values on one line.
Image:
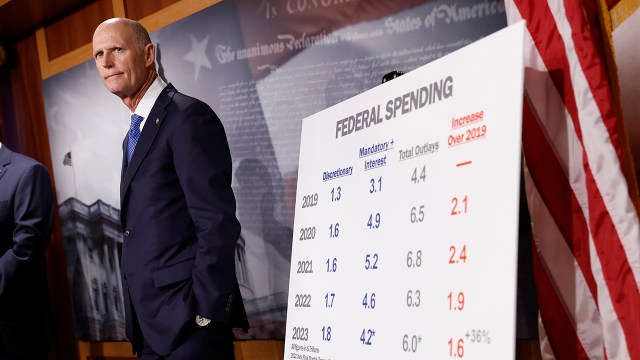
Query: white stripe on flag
[[589, 161], [602, 157], [566, 276]]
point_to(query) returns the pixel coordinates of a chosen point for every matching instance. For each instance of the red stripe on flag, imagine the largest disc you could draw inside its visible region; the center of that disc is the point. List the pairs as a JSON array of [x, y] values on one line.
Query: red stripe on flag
[[593, 67], [542, 26], [557, 325], [616, 270], [556, 193]]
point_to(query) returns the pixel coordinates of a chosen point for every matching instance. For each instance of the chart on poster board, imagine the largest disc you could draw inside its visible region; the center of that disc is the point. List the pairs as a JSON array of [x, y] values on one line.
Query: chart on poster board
[[406, 222]]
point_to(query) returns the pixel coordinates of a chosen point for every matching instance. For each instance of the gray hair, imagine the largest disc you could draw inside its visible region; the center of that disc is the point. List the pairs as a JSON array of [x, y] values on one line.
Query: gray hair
[[139, 34]]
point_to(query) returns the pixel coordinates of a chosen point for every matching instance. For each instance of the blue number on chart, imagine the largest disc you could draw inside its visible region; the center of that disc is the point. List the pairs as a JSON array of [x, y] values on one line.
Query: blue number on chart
[[375, 185], [374, 221], [336, 193], [369, 301], [328, 299], [334, 230], [326, 333], [371, 262], [332, 265], [367, 336]]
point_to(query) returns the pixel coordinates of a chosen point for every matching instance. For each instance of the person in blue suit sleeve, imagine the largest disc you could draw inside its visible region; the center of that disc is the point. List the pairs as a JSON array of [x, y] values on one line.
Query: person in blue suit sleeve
[[178, 210], [26, 217]]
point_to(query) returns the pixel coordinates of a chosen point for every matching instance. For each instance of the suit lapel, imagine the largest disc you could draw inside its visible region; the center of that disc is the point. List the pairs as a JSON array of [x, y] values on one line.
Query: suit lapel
[[124, 158], [5, 159], [147, 136]]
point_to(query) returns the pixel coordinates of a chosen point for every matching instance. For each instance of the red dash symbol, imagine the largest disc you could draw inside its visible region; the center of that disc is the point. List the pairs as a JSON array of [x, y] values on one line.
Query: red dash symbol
[[463, 163]]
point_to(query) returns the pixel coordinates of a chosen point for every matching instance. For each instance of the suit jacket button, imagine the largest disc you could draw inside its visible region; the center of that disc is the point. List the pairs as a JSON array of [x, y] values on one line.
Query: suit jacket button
[[126, 233], [124, 276]]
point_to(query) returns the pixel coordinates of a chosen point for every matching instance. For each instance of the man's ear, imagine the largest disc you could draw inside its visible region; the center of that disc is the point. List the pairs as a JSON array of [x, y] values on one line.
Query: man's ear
[[149, 54]]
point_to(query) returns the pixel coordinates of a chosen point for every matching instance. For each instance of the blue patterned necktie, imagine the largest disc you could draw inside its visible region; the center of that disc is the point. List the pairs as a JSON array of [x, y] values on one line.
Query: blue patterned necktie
[[134, 135]]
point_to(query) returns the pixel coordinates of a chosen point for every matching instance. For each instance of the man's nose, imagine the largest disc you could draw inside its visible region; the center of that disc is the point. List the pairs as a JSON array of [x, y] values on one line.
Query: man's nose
[[106, 61]]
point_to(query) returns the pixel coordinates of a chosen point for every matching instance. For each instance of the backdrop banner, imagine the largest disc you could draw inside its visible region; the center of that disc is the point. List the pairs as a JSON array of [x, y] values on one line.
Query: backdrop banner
[[263, 67]]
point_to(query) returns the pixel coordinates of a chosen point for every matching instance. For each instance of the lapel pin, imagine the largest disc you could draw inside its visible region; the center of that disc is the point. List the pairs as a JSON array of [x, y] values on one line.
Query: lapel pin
[[157, 121]]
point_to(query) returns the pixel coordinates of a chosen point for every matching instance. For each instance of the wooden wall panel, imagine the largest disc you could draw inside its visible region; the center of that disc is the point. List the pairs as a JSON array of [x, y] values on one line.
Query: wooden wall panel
[[53, 64], [138, 9], [28, 103], [259, 349], [244, 349], [76, 29], [528, 350], [622, 11], [6, 106], [91, 350]]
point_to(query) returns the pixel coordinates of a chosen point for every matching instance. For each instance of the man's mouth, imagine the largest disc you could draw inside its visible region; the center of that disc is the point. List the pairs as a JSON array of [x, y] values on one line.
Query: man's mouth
[[112, 75]]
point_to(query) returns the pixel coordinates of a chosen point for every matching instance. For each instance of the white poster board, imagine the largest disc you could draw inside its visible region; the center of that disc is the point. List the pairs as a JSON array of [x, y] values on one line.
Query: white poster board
[[406, 223]]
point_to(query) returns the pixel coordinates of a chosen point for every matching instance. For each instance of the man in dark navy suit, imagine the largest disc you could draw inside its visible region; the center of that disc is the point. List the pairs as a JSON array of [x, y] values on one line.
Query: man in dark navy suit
[[177, 208], [26, 216]]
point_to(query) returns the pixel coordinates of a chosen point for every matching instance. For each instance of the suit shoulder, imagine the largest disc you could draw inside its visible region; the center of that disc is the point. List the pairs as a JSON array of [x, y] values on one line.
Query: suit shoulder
[[184, 106], [184, 101], [26, 162], [25, 167], [179, 102]]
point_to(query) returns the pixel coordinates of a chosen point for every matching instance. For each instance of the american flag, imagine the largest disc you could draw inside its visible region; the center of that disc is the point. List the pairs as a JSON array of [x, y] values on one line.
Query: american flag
[[584, 220], [67, 159]]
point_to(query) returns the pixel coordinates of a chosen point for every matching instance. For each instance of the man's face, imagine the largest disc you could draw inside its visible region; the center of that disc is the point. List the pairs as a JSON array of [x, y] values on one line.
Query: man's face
[[122, 67]]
